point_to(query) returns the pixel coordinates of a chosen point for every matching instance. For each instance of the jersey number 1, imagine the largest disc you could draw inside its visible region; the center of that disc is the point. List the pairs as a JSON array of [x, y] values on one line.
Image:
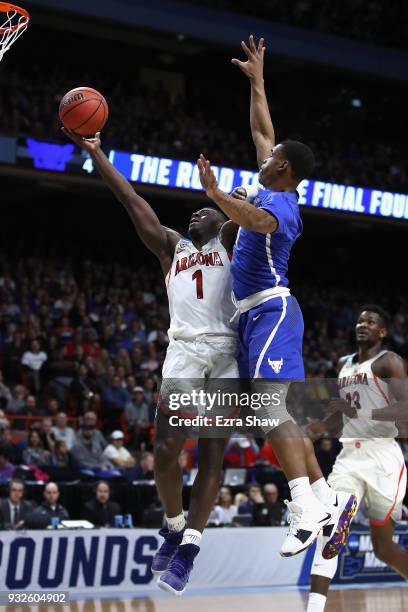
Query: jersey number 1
[[198, 277]]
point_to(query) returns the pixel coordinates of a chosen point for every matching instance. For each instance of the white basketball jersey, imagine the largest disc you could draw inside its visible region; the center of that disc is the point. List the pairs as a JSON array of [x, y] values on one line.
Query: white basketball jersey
[[365, 391], [199, 291]]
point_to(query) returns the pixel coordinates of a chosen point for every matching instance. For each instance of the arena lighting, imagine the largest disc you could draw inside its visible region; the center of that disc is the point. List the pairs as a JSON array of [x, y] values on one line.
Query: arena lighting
[[170, 173]]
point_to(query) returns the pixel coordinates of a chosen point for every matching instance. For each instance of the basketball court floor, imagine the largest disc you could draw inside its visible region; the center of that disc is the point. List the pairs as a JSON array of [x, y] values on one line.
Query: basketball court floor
[[375, 599]]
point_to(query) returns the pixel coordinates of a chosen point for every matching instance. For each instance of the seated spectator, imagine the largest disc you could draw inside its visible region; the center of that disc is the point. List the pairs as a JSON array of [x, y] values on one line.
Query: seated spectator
[[116, 453], [35, 453], [11, 451], [34, 360], [6, 469], [61, 457], [101, 511], [114, 399], [17, 401], [41, 517], [254, 496], [271, 510], [46, 434], [62, 431], [87, 452], [224, 510], [137, 417], [83, 389], [90, 422], [145, 469], [14, 509]]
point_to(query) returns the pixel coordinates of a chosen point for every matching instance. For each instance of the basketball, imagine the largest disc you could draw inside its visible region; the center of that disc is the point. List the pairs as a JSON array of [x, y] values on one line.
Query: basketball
[[84, 110]]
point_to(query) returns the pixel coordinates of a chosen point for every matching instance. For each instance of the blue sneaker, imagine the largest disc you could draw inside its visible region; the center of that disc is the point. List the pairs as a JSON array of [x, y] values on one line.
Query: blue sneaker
[[167, 550], [175, 579]]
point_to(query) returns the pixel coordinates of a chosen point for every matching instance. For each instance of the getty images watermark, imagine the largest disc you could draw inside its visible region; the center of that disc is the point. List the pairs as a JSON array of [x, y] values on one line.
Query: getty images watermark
[[220, 407]]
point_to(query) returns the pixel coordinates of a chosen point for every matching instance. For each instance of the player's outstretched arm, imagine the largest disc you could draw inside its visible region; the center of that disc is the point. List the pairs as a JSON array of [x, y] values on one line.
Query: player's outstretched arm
[[240, 211], [391, 368], [158, 239], [262, 130]]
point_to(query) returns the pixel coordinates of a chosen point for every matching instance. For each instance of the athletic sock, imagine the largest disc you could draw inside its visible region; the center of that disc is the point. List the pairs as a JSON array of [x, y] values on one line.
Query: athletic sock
[[301, 491], [191, 536], [316, 602], [324, 492], [176, 523]]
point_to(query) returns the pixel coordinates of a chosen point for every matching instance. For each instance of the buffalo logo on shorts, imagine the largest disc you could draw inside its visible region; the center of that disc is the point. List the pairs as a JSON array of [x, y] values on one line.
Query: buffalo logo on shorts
[[276, 365]]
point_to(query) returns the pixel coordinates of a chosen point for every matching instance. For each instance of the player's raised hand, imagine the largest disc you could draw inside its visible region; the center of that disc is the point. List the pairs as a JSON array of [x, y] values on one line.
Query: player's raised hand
[[88, 144], [207, 176], [239, 193], [253, 67]]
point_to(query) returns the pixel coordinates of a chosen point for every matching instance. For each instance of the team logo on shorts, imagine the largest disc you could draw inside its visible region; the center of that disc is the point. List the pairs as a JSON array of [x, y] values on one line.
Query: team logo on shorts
[[276, 365]]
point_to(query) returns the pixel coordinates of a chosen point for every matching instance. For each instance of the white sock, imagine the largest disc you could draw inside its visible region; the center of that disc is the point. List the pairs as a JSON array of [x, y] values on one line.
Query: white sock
[[323, 492], [300, 489], [316, 602], [191, 536], [176, 523]]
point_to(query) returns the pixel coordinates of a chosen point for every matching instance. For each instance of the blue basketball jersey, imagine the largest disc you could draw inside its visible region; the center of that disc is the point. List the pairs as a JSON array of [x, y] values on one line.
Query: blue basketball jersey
[[260, 261]]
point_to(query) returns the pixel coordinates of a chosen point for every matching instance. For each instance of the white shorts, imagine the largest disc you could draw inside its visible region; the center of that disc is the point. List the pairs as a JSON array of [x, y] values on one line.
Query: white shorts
[[204, 357], [374, 470], [204, 366]]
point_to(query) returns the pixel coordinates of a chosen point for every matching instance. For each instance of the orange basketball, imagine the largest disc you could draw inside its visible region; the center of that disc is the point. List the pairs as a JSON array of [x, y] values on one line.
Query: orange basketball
[[84, 110]]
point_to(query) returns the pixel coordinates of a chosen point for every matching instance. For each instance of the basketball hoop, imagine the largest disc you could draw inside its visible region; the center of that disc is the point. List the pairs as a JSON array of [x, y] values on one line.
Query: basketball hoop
[[13, 22]]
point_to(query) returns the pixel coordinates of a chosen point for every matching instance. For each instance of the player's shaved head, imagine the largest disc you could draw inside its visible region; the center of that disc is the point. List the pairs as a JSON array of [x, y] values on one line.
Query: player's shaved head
[[206, 223], [300, 157]]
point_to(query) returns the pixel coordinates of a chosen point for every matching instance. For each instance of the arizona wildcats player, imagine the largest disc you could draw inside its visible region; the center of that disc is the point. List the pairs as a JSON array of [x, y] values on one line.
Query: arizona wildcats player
[[271, 322], [373, 390], [203, 346]]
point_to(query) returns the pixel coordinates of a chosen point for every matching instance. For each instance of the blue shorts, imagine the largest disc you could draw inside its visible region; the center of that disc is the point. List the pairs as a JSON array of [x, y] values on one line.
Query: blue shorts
[[271, 337]]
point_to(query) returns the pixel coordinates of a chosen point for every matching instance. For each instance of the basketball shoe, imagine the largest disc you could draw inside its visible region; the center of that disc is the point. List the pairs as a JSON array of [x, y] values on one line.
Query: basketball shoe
[[305, 523], [161, 560], [174, 579], [337, 531]]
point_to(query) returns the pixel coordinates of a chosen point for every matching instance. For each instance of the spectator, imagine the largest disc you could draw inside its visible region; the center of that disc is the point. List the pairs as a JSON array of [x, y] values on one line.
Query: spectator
[[83, 389], [254, 496], [47, 434], [137, 417], [271, 510], [35, 453], [114, 399], [145, 469], [87, 452], [34, 360], [101, 511], [14, 509], [61, 457], [17, 401], [116, 453], [224, 511], [62, 431], [6, 469], [89, 423], [7, 446], [42, 516]]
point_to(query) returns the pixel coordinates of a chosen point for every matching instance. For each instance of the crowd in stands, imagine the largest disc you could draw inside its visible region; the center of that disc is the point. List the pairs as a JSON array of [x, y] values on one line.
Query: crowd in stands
[[353, 125], [370, 21], [80, 362]]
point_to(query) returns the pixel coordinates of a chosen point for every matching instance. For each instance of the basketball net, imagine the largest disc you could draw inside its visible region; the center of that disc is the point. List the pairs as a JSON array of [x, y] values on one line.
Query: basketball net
[[13, 22]]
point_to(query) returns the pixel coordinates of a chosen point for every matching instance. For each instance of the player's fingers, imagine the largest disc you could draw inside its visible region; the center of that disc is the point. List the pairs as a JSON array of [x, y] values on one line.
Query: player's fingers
[[98, 136], [237, 62], [246, 50], [260, 44], [252, 43]]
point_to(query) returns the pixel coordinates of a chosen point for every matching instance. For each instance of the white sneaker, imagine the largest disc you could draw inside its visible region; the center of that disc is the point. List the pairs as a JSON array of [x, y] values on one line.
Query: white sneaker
[[305, 524], [337, 531]]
